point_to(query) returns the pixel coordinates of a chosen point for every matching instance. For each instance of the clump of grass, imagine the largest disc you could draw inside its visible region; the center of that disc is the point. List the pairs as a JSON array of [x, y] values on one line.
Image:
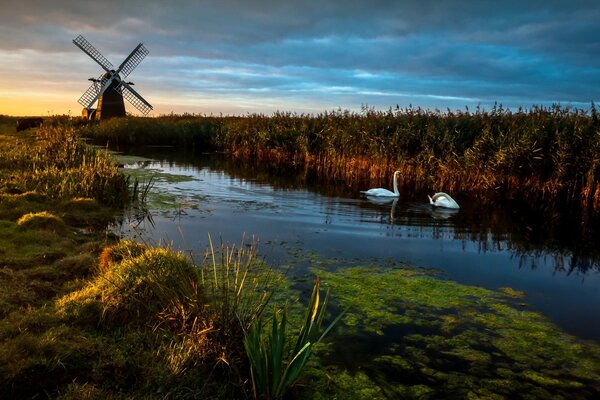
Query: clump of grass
[[137, 289], [204, 309], [81, 204], [44, 221], [276, 366], [13, 206], [124, 249]]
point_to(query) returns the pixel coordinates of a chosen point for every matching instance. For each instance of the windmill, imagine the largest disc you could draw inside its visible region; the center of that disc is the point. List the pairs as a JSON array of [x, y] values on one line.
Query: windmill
[[110, 88]]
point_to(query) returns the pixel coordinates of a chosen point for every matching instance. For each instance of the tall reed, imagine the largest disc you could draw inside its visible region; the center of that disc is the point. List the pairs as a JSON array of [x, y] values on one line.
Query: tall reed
[[546, 157], [58, 164]]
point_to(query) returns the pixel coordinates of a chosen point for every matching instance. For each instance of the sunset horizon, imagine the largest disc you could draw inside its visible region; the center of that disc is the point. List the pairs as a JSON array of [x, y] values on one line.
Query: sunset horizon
[[233, 58]]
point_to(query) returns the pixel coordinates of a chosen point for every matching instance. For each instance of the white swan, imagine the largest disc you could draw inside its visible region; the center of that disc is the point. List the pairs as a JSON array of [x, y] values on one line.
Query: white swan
[[444, 200], [380, 192]]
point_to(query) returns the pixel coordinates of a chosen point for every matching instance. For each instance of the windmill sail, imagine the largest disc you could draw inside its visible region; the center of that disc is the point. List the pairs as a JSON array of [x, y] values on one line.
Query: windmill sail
[[88, 98], [132, 61], [134, 98], [91, 51], [110, 89]]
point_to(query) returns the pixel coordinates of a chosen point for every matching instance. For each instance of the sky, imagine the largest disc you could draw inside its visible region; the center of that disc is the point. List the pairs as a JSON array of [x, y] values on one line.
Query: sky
[[235, 57]]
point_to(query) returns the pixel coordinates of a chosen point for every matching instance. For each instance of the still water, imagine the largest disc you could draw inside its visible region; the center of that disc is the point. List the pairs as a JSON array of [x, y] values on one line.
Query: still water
[[202, 194]]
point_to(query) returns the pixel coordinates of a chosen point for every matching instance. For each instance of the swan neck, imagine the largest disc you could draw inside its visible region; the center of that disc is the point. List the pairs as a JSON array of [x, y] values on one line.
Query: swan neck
[[396, 184]]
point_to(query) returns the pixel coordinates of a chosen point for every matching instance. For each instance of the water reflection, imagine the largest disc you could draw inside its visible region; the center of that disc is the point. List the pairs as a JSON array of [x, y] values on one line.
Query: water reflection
[[559, 239], [548, 257]]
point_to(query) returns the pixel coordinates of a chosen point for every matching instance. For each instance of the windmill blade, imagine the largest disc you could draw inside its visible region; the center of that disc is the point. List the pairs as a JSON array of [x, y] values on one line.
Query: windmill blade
[[88, 98], [132, 61], [134, 98], [98, 88], [91, 51]]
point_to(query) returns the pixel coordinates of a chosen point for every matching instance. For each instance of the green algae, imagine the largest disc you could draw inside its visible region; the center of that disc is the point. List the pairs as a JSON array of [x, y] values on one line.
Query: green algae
[[440, 339], [158, 198], [144, 174], [510, 292]]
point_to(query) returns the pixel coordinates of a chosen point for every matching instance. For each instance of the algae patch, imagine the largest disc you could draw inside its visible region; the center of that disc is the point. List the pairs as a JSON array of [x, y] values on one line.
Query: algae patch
[[163, 196], [409, 334]]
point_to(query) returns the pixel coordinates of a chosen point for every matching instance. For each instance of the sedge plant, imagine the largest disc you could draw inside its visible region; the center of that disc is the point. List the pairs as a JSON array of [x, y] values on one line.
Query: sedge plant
[[275, 366]]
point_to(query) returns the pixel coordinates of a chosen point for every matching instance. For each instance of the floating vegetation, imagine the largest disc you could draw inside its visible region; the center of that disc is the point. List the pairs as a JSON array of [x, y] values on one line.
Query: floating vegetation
[[434, 338], [158, 198]]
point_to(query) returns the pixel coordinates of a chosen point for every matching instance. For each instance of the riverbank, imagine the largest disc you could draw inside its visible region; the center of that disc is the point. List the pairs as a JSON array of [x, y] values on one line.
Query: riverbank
[[546, 158], [56, 199], [85, 316]]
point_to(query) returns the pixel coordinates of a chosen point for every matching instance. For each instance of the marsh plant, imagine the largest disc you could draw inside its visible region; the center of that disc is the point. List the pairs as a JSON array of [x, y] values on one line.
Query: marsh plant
[[275, 364], [198, 312], [59, 165], [546, 157]]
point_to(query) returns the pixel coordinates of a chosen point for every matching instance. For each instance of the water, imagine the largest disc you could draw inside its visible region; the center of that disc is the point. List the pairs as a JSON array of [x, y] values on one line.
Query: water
[[492, 248]]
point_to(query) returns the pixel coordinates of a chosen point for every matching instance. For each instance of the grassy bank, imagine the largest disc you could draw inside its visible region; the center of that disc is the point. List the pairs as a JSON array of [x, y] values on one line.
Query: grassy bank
[[544, 157], [54, 206], [85, 316]]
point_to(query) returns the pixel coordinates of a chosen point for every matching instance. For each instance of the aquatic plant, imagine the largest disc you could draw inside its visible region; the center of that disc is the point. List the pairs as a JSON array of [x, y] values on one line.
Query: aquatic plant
[[274, 366], [442, 338]]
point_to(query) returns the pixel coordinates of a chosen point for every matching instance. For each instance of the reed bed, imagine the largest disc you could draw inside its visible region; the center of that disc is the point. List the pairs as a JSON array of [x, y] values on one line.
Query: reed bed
[[179, 130], [548, 158], [59, 165]]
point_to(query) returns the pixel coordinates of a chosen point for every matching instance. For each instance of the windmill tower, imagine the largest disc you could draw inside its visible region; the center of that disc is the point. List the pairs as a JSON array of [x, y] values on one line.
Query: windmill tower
[[110, 88]]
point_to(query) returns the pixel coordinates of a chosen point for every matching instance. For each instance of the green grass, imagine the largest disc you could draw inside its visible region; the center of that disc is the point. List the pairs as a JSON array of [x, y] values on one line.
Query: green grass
[[56, 163]]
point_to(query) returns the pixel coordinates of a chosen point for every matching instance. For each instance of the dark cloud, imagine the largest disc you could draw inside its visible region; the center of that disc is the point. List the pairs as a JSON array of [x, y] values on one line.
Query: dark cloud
[[332, 52]]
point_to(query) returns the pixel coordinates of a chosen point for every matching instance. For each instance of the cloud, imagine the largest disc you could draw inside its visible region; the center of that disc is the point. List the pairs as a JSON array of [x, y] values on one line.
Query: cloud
[[320, 54]]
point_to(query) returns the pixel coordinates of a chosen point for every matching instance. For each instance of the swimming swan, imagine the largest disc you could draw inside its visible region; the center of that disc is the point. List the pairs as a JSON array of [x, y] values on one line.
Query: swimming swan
[[380, 192], [442, 199]]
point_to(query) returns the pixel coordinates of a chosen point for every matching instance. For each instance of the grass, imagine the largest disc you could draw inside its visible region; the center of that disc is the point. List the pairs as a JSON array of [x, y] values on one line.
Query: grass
[[56, 163]]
